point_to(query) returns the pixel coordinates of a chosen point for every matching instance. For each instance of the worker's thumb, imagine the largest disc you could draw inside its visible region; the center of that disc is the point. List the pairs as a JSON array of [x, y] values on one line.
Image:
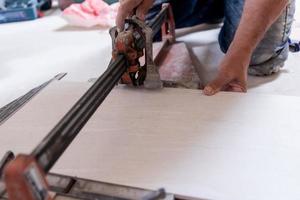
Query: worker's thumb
[[216, 85], [126, 7], [143, 9]]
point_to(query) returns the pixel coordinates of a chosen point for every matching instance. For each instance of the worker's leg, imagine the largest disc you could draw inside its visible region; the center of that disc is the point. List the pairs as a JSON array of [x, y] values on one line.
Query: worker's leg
[[191, 12], [272, 51]]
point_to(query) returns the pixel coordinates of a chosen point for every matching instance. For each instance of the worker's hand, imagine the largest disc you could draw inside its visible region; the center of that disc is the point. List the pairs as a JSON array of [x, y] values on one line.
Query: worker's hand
[[232, 76], [128, 7]]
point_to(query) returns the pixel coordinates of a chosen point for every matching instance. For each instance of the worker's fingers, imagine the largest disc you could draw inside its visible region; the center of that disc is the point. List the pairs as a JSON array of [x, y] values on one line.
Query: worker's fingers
[[216, 85], [236, 86], [223, 83], [126, 7], [143, 9]]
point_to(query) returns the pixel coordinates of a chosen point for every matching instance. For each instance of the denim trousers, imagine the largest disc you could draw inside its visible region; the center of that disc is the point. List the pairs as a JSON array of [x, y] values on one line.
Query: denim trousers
[[271, 52]]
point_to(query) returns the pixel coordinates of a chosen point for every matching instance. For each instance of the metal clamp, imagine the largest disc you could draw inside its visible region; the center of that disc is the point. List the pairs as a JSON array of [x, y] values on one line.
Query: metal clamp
[[137, 39]]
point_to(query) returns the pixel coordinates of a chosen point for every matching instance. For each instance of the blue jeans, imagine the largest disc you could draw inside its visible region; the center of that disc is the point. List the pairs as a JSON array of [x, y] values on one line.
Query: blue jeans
[[191, 12], [272, 51]]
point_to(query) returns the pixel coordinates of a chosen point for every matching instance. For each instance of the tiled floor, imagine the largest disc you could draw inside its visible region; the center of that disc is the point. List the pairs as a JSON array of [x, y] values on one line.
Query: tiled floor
[[230, 146], [33, 52]]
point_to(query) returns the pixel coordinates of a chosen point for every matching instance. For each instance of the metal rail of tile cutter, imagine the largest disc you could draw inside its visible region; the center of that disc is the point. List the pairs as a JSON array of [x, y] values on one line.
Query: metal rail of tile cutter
[[26, 177]]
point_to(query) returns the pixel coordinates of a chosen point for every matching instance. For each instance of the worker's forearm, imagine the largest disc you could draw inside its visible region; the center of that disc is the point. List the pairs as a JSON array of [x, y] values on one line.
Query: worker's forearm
[[258, 16]]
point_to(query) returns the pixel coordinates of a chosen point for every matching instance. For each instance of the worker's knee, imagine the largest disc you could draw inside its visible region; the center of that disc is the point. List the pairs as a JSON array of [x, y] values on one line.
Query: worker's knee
[[272, 51], [276, 37], [267, 63]]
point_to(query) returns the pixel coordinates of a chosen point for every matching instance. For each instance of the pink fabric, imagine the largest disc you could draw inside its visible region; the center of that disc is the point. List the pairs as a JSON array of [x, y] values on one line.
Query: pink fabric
[[91, 13]]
